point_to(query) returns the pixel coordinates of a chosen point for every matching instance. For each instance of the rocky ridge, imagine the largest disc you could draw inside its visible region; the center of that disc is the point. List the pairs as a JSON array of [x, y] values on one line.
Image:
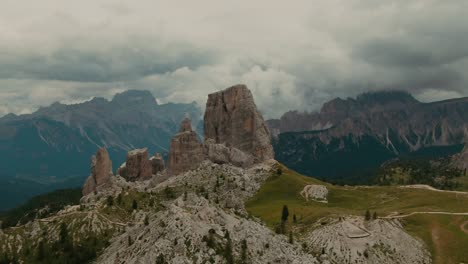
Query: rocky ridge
[[195, 213], [362, 133]]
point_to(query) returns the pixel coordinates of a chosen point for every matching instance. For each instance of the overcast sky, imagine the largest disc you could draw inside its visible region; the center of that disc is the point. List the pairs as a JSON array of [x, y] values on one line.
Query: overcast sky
[[291, 54]]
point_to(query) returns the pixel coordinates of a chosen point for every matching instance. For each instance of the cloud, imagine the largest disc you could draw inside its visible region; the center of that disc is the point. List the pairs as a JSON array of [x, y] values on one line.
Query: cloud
[[293, 55]]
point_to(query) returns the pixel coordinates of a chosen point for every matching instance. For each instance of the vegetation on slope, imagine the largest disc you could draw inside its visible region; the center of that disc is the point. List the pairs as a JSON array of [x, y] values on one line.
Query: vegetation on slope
[[439, 173], [41, 206], [285, 189]]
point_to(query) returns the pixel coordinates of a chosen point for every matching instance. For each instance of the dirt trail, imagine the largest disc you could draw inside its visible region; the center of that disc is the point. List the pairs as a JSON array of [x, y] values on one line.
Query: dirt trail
[[414, 213], [430, 188]]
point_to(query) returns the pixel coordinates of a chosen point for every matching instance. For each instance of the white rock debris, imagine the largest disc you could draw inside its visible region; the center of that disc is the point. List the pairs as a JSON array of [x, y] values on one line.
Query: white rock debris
[[315, 192]]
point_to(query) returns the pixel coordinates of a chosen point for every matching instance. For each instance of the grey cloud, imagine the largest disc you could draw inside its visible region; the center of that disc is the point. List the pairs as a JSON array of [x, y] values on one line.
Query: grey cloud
[[116, 64], [292, 56]]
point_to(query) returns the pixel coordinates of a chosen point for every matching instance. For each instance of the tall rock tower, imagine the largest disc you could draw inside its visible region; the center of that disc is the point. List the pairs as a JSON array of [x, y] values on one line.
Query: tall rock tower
[[186, 150], [234, 128]]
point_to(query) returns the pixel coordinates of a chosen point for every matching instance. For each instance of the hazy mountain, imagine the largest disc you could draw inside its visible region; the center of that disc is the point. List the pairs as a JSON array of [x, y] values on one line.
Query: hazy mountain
[[349, 138], [51, 147]]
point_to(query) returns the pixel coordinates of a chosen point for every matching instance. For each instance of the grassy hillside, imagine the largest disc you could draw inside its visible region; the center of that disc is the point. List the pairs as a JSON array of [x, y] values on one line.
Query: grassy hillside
[[285, 189]]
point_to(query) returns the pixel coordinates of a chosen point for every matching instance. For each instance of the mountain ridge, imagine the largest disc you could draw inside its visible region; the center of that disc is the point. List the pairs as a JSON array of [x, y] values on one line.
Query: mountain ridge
[[346, 129], [55, 142]]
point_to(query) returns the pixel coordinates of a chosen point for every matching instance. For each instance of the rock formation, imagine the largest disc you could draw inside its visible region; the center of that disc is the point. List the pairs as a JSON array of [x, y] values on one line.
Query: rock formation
[[137, 167], [101, 171], [233, 123], [186, 151], [157, 163], [315, 192]]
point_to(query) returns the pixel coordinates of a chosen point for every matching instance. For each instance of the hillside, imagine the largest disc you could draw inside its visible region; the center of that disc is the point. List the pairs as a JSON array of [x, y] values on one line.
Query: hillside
[[359, 134], [227, 200], [50, 148], [443, 232]]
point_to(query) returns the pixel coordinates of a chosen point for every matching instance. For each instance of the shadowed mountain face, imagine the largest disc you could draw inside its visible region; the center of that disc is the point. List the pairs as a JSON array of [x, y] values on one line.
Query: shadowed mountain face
[[51, 148], [348, 139]]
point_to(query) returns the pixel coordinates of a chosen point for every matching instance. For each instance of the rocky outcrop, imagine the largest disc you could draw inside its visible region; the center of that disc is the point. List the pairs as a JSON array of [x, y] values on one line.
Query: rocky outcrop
[[157, 163], [186, 151], [315, 192], [101, 172], [233, 122], [353, 240], [137, 167]]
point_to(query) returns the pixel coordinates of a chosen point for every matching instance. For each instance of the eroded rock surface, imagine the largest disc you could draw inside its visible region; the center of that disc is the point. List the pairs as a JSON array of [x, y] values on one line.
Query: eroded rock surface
[[137, 167], [232, 120], [101, 172], [157, 163], [315, 192], [186, 151], [354, 240]]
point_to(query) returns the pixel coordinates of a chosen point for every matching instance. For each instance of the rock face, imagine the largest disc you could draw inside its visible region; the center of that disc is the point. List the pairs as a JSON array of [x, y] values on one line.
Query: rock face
[[157, 163], [233, 122], [353, 240], [186, 151], [137, 167], [101, 171], [362, 133]]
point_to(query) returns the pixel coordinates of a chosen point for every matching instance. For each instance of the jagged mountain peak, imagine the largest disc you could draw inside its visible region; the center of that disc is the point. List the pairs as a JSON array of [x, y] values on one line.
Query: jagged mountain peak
[[374, 100], [135, 97]]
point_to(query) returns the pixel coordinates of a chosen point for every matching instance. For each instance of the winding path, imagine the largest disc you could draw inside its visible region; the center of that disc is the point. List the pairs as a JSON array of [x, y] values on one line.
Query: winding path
[[415, 213]]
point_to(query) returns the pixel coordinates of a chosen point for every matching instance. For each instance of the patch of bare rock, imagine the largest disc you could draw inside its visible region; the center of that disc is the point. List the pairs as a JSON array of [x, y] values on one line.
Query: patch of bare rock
[[354, 240], [315, 192]]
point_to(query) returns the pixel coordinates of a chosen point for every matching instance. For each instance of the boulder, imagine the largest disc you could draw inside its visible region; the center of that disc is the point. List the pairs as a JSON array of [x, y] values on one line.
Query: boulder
[[220, 153], [232, 119], [157, 163], [137, 167], [186, 150], [315, 192], [101, 172]]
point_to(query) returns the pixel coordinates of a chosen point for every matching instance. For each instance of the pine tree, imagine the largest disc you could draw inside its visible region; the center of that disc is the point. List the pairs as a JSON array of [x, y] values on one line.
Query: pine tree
[[285, 214], [40, 251], [294, 218], [368, 215], [291, 238], [160, 259], [134, 205], [110, 201], [279, 171], [244, 252], [374, 216], [63, 236], [119, 199], [228, 249]]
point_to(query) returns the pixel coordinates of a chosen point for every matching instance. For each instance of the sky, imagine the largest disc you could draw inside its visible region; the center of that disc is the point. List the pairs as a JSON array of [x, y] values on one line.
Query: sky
[[293, 55]]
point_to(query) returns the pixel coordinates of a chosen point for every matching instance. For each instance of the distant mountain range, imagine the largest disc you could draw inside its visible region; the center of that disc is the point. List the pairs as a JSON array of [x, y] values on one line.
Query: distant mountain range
[[350, 138], [51, 148]]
